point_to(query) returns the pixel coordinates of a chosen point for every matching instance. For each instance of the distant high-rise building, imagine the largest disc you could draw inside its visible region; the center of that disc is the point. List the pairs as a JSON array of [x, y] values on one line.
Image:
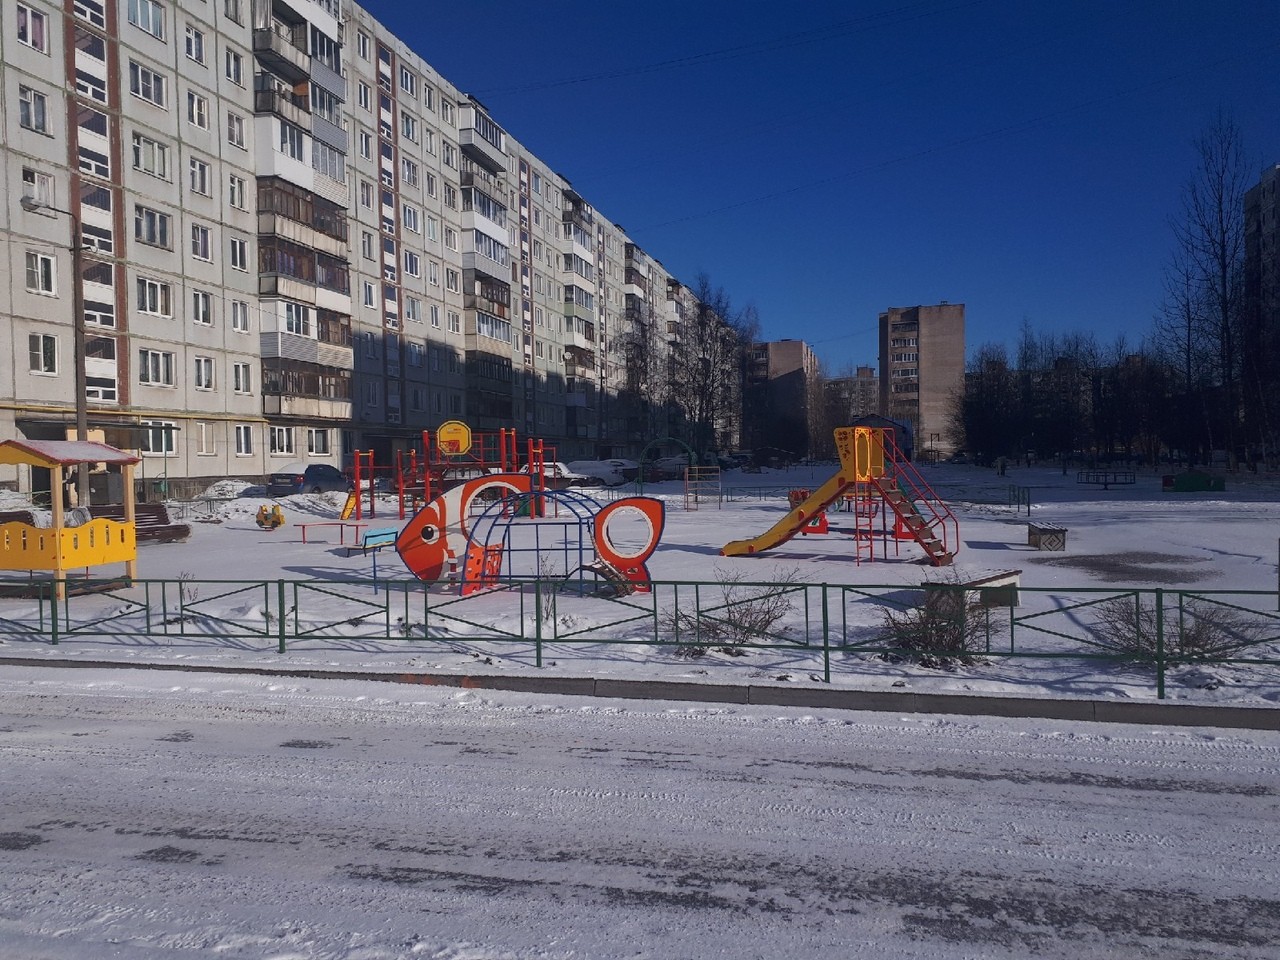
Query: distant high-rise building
[[781, 405], [922, 368]]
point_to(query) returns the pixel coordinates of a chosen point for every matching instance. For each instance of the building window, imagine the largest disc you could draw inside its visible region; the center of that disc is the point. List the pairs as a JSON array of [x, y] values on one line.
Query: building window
[[366, 194], [148, 15], [446, 112], [232, 10], [362, 45], [154, 297], [409, 127], [33, 28], [364, 96], [204, 373], [155, 367], [297, 318], [197, 110], [435, 315], [370, 295], [366, 244], [235, 191], [455, 321], [201, 308], [282, 441], [451, 238], [240, 375], [150, 156], [200, 242], [195, 44], [44, 354], [408, 82], [448, 154], [290, 140], [366, 144], [431, 185], [41, 273], [38, 186], [204, 440], [317, 442], [410, 219], [240, 316], [244, 440], [151, 227], [450, 196], [452, 281], [200, 177], [409, 172], [158, 437], [433, 273], [33, 109], [235, 68], [412, 264], [413, 309], [235, 129], [239, 254], [146, 84]]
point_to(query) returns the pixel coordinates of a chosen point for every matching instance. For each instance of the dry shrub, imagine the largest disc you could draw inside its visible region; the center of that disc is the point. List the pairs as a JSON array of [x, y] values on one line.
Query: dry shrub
[[1204, 631], [745, 614], [948, 627]]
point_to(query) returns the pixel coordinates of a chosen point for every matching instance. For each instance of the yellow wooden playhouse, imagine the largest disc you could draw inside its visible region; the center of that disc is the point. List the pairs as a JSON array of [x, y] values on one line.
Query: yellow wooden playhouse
[[59, 548]]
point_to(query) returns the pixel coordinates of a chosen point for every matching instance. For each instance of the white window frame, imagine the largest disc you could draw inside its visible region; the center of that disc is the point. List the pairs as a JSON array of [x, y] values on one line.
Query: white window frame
[[156, 368], [33, 28], [42, 350], [202, 308], [240, 316], [197, 110], [33, 109], [155, 297], [318, 442], [147, 16], [236, 191], [281, 441], [201, 177], [147, 84], [42, 273], [195, 44], [150, 156], [242, 378], [244, 439], [235, 129], [239, 251], [166, 431], [235, 67], [201, 242], [202, 374]]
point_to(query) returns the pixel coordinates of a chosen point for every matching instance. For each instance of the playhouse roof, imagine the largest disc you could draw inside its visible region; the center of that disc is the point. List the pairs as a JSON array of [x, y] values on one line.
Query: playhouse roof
[[48, 453]]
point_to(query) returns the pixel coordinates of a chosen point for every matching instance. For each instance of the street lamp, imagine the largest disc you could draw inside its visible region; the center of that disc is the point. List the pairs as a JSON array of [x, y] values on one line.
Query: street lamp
[[33, 205]]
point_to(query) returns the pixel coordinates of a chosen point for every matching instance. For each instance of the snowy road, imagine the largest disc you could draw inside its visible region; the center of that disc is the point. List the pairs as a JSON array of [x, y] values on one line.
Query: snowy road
[[233, 817]]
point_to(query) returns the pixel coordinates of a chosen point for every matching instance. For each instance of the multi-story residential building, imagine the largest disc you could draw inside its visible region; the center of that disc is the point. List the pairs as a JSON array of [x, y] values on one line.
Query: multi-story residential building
[[922, 368], [782, 402], [294, 239]]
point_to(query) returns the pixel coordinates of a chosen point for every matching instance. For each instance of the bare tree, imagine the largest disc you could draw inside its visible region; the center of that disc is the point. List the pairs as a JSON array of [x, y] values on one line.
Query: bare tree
[[1210, 258]]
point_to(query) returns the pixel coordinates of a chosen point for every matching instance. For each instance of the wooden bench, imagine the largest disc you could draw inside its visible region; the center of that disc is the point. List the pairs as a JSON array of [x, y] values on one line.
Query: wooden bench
[[150, 520], [1046, 536], [375, 540], [994, 588], [1105, 478], [342, 525]]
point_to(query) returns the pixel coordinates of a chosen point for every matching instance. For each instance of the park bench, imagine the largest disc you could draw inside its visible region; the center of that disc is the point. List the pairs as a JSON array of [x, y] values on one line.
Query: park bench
[[994, 588], [375, 540], [1046, 536], [1105, 478], [150, 520], [342, 525]]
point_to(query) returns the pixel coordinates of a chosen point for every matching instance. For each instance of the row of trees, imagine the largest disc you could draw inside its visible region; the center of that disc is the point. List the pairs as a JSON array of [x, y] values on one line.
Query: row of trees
[[1206, 379]]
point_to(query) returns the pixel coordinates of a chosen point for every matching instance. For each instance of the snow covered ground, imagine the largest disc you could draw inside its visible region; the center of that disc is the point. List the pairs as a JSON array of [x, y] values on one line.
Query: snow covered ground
[[143, 816], [147, 814], [1128, 536]]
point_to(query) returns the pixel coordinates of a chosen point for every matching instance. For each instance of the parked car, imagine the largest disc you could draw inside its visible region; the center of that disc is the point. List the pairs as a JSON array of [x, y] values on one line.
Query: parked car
[[558, 476], [666, 468], [611, 473], [309, 478]]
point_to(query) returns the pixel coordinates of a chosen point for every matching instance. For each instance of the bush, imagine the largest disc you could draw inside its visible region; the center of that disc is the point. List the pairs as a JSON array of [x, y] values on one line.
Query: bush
[[948, 627], [1205, 630], [745, 614]]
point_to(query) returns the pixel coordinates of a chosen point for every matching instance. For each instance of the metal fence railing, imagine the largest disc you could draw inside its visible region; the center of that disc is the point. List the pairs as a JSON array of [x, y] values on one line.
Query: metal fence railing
[[821, 627]]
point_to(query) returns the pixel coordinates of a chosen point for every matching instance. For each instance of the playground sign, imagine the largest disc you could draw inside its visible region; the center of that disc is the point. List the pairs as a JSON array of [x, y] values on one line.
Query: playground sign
[[454, 438]]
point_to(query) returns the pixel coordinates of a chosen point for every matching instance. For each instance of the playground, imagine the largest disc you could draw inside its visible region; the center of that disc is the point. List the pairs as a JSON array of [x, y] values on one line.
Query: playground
[[635, 594]]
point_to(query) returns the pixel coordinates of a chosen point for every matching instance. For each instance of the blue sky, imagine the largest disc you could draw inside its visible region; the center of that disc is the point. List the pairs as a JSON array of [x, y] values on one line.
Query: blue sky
[[823, 161]]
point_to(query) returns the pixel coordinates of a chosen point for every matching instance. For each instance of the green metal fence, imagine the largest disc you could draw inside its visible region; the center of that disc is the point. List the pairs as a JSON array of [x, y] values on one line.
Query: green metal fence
[[823, 627]]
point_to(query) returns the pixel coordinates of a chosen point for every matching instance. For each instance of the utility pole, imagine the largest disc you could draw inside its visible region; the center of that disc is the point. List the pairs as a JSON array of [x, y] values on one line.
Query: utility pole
[[33, 205]]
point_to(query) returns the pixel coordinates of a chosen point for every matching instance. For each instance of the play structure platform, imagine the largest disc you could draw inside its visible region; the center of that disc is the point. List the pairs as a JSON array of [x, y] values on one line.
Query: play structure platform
[[874, 474]]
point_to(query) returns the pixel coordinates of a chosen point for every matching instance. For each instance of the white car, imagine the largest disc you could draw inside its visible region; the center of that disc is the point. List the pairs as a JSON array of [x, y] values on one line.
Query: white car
[[611, 473], [558, 476]]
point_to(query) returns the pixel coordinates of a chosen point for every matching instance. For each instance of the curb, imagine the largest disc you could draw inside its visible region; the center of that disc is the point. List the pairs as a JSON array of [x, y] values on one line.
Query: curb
[[964, 705]]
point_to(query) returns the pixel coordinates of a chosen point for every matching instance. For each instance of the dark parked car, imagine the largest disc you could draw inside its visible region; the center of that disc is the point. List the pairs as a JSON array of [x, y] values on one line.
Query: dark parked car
[[314, 478]]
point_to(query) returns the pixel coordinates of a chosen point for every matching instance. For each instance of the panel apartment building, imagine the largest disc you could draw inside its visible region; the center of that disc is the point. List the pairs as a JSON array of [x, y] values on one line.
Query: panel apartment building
[[921, 369], [294, 240]]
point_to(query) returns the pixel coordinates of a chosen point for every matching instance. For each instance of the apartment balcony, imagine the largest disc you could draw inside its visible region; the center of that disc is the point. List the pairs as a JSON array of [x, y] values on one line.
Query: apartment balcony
[[273, 224], [291, 288], [328, 132], [477, 176], [572, 309], [283, 103], [310, 408], [291, 346], [481, 150], [329, 78], [279, 50]]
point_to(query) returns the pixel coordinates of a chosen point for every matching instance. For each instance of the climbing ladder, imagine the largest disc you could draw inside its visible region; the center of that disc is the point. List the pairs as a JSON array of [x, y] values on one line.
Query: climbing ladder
[[920, 514]]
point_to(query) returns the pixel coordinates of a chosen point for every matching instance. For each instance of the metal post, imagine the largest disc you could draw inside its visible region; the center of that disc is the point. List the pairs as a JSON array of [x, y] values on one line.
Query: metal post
[[1160, 646], [34, 205]]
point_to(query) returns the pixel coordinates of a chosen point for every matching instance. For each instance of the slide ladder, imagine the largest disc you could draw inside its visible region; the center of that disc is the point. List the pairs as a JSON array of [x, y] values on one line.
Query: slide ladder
[[922, 515]]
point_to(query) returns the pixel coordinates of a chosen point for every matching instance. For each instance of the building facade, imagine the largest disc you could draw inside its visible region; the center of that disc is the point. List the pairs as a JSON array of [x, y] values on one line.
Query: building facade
[[286, 238], [922, 369], [783, 403]]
